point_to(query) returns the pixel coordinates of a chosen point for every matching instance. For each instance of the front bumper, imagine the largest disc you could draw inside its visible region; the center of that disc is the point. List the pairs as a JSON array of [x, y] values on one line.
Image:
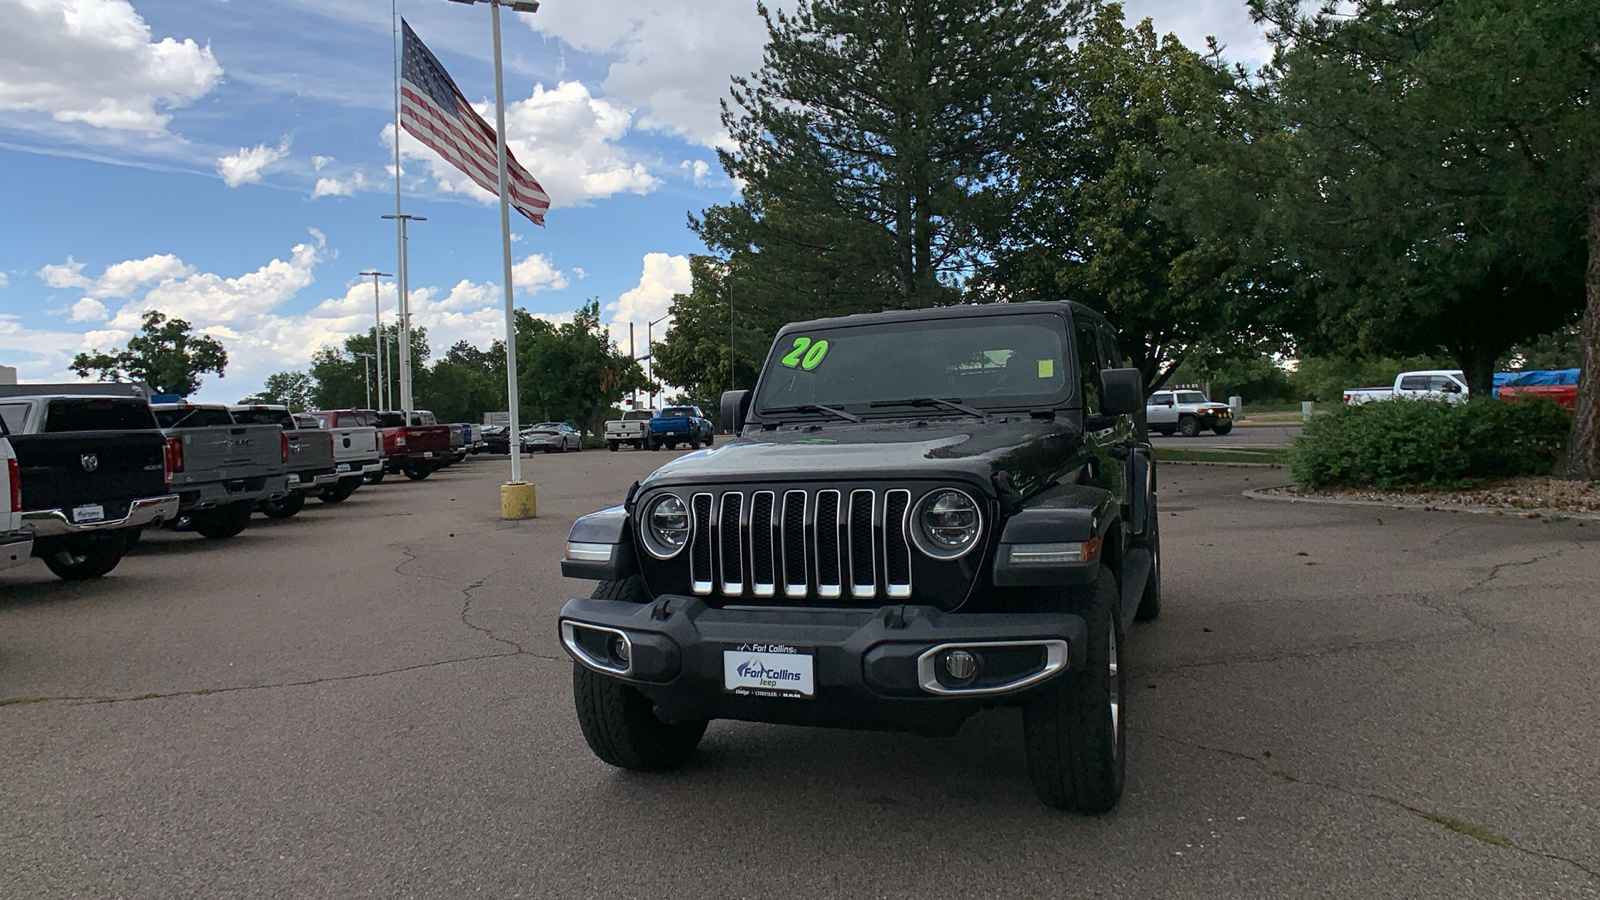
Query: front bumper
[[871, 668], [15, 548], [144, 511]]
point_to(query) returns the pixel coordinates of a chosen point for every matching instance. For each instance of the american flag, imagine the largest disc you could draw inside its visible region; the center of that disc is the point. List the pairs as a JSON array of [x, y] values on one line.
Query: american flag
[[436, 113]]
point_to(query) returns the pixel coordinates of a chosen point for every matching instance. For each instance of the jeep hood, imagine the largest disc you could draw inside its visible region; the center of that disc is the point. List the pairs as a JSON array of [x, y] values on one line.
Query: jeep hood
[[1028, 450]]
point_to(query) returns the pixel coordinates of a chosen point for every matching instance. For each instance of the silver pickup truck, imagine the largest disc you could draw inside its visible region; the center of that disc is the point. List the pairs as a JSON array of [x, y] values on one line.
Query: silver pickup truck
[[357, 449], [221, 470], [311, 464]]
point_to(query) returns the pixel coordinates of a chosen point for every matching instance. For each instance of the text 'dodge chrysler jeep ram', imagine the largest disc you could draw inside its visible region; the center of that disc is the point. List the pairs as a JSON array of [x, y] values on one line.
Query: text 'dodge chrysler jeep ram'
[[925, 513], [90, 470], [310, 465], [221, 470]]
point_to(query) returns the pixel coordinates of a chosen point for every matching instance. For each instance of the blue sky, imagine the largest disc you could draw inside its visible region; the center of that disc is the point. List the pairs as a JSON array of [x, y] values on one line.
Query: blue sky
[[228, 162]]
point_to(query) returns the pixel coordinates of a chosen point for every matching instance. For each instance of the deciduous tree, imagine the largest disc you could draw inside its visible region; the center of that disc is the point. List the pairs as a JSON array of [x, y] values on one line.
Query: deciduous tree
[[166, 354]]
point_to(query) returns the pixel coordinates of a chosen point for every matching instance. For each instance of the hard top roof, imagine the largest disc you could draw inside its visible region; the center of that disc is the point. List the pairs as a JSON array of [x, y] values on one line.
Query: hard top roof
[[958, 311]]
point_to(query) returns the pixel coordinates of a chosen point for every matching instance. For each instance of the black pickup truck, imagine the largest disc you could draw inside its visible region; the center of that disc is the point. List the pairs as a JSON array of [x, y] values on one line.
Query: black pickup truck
[[93, 471], [926, 513]]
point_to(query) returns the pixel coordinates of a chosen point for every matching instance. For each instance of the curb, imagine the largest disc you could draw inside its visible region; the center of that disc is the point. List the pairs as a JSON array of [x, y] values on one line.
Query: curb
[[1202, 462], [1507, 511]]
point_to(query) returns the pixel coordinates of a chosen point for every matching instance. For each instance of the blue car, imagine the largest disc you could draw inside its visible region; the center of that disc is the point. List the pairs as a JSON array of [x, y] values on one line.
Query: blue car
[[680, 425]]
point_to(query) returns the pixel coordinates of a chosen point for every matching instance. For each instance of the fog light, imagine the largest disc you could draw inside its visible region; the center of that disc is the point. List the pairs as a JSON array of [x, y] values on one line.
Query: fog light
[[961, 665], [621, 650]]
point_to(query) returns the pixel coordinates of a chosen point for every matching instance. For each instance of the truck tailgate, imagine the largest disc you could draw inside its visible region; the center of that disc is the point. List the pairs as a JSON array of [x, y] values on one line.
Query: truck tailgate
[[355, 444], [112, 468], [228, 452], [310, 450]]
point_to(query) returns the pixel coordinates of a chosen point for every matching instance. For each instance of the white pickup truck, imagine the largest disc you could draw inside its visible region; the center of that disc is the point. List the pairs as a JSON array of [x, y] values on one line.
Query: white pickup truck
[[16, 545], [1448, 385], [632, 429]]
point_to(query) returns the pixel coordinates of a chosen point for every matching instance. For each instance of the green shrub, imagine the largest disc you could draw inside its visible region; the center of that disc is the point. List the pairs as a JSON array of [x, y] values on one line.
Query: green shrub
[[1398, 444]]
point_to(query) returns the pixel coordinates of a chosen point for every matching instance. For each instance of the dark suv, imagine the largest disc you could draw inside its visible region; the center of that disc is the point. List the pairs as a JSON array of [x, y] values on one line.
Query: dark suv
[[926, 513]]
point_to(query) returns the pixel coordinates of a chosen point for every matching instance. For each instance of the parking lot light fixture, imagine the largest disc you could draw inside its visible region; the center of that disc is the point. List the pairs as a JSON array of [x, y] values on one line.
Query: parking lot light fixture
[[377, 328]]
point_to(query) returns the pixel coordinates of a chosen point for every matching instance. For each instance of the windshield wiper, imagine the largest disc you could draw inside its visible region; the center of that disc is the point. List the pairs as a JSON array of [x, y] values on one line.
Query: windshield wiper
[[813, 408], [953, 404]]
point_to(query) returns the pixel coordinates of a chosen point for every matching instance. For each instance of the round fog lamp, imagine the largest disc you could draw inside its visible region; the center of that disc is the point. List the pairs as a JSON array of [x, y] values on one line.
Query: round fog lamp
[[620, 650], [960, 665]]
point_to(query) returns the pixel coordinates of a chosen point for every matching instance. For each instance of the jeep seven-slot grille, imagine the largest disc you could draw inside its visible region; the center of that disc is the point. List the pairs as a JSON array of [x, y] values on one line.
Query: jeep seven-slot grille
[[825, 544]]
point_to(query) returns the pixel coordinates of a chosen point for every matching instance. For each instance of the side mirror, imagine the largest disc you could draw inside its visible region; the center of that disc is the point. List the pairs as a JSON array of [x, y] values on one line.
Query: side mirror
[[735, 405], [1122, 391]]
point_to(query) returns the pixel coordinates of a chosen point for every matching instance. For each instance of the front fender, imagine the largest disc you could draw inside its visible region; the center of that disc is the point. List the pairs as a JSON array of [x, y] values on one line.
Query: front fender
[[1071, 519], [600, 547]]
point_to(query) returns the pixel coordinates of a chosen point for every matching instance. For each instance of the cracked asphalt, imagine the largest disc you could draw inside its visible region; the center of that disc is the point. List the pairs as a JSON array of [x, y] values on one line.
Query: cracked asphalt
[[369, 701]]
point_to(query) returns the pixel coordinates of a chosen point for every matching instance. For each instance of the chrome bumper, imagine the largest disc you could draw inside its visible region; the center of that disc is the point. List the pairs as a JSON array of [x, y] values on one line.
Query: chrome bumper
[[15, 548], [145, 511]]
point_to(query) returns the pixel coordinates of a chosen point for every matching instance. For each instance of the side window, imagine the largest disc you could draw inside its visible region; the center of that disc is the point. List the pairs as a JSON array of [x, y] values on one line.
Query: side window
[[1443, 383], [1414, 383], [1088, 351], [1109, 351], [13, 414]]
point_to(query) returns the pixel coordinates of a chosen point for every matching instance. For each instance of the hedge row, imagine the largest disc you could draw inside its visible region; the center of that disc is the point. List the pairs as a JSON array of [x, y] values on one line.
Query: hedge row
[[1399, 444]]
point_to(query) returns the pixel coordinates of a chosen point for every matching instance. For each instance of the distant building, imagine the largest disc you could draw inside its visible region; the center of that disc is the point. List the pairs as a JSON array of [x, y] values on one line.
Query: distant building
[[8, 375]]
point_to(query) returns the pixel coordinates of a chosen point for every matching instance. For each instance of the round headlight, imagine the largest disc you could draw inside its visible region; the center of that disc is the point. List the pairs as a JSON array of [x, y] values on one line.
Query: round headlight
[[666, 527], [947, 524]]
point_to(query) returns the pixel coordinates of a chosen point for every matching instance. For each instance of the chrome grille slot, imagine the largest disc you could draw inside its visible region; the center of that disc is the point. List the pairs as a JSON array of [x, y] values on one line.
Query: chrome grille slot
[[794, 544], [829, 584], [731, 544], [763, 561], [896, 549], [858, 528], [700, 577]]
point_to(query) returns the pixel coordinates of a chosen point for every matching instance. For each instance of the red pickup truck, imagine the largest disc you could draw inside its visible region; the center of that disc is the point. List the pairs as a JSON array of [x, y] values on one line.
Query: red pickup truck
[[415, 449]]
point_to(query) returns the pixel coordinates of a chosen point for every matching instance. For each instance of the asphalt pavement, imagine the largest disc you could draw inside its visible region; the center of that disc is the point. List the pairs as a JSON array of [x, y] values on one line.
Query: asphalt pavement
[[369, 701]]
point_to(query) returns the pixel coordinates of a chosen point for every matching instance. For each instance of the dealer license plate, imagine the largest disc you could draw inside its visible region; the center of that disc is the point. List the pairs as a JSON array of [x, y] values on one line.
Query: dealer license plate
[[89, 512], [427, 454], [342, 467], [294, 478], [769, 670]]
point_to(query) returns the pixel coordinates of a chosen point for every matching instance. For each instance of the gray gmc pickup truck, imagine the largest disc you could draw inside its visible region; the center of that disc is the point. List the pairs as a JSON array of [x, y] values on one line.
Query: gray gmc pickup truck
[[221, 470], [311, 459]]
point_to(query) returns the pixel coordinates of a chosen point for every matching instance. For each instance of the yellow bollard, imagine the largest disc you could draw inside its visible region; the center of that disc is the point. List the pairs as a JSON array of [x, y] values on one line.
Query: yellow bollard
[[518, 500]]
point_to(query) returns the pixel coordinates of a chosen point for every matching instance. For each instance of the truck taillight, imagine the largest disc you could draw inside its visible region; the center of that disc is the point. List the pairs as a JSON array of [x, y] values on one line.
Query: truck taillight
[[14, 477], [284, 445], [173, 457]]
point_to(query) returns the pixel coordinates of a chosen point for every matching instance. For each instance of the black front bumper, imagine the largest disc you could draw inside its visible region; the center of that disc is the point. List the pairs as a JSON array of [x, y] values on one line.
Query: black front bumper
[[872, 668]]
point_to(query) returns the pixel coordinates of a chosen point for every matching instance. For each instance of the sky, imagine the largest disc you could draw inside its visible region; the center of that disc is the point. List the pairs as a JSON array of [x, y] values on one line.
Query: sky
[[228, 162]]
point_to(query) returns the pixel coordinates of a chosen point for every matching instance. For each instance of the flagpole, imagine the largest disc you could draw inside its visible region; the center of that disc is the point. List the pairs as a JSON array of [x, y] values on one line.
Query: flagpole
[[505, 247], [403, 313]]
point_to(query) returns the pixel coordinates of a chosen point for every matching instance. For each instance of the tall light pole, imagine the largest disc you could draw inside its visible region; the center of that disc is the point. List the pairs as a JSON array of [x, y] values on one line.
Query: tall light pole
[[366, 374], [404, 313], [521, 6], [650, 355], [377, 328]]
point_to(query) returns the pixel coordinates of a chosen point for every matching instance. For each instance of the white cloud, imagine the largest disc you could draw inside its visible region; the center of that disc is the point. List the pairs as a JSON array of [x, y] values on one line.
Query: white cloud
[[672, 58], [699, 170], [93, 61], [663, 277], [120, 279], [88, 310], [328, 186], [564, 136], [1195, 20], [318, 163], [64, 275], [534, 273], [246, 166], [4, 280]]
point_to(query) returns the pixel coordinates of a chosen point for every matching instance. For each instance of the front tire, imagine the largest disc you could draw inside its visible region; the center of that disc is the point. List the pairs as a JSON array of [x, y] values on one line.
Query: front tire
[[1075, 727], [711, 439], [1221, 430], [221, 522], [339, 492], [285, 508], [82, 557], [1189, 426], [618, 722]]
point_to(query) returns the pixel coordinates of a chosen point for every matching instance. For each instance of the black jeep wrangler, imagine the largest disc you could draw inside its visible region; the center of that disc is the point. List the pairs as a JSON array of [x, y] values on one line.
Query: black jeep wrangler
[[926, 513]]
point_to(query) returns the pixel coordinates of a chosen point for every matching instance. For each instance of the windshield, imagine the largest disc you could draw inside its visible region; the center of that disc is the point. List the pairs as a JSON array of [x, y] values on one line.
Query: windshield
[[97, 414], [1192, 397], [988, 362], [193, 417]]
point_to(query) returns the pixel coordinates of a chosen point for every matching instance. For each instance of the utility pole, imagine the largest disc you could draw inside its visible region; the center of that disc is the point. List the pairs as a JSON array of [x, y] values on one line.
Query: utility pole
[[403, 340], [366, 374], [378, 337], [650, 355], [633, 354]]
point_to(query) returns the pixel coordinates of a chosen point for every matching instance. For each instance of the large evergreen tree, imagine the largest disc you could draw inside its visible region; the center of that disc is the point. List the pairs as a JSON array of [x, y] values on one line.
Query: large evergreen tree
[[870, 144]]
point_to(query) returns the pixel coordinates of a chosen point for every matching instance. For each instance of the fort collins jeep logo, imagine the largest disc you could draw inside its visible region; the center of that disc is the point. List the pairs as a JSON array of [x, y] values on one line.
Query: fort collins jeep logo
[[89, 461]]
